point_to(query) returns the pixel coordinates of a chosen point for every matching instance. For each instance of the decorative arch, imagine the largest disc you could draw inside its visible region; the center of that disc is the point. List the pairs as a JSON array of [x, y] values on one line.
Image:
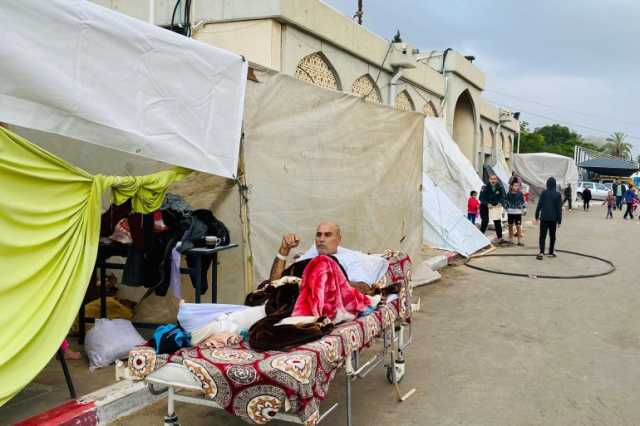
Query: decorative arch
[[509, 150], [364, 86], [502, 143], [430, 109], [316, 69], [464, 124], [403, 102]]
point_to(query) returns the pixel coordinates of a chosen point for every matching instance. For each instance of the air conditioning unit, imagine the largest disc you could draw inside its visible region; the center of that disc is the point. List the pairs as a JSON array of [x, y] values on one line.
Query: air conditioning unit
[[402, 56]]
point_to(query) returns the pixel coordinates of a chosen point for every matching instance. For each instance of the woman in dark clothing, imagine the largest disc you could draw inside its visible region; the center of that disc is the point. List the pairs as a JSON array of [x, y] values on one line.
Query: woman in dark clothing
[[586, 198], [549, 213], [492, 197]]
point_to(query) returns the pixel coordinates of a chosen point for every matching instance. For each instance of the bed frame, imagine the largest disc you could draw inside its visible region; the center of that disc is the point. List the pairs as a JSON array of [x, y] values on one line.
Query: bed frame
[[392, 355]]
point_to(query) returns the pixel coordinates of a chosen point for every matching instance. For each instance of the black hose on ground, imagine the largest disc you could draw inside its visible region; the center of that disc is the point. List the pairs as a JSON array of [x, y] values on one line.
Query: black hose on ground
[[612, 267]]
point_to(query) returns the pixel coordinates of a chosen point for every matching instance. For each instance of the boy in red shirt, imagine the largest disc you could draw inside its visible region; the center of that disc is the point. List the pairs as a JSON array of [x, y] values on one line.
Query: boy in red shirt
[[473, 207]]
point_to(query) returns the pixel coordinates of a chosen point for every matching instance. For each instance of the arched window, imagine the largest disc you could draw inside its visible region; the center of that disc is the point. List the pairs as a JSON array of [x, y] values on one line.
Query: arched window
[[430, 110], [316, 69], [403, 102], [364, 86]]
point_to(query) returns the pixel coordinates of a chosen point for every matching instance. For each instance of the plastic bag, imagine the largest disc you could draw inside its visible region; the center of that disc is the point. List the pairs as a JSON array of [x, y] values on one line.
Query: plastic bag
[[110, 340]]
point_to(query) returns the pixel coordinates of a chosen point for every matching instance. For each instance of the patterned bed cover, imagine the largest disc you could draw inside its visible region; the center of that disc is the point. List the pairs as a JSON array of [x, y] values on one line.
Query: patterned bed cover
[[255, 385]]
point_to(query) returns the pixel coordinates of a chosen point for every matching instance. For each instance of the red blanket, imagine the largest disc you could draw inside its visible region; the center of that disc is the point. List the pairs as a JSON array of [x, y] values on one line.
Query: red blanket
[[325, 292]]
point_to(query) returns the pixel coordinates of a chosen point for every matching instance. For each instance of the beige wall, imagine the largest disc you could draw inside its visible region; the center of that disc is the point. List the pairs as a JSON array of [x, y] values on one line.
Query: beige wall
[[258, 41]]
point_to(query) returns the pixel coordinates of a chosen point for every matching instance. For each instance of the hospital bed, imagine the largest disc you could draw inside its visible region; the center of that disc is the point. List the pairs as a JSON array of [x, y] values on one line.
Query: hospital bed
[[260, 386]]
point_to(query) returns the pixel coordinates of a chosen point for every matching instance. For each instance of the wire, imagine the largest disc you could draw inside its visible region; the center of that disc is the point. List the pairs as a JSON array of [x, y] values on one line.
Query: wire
[[514, 108], [611, 269], [562, 108], [375, 84]]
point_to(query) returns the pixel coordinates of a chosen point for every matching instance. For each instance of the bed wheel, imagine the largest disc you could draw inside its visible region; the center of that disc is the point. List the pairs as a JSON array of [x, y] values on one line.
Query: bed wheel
[[400, 368], [156, 390], [171, 420]]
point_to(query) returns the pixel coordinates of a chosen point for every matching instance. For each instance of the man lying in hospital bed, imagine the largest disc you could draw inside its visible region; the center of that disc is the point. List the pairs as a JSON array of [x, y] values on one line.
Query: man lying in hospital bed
[[308, 309]]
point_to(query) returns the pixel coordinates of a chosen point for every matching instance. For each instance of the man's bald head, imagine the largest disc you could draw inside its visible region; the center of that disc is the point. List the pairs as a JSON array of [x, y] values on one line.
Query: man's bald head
[[328, 238]]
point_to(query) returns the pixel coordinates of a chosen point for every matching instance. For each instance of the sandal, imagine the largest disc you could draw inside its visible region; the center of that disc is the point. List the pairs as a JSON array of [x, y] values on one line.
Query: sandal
[[540, 256]]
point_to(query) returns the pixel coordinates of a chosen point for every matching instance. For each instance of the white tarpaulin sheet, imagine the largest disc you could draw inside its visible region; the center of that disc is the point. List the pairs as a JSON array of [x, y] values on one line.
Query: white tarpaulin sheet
[[535, 169], [445, 164], [312, 155], [75, 69], [444, 225]]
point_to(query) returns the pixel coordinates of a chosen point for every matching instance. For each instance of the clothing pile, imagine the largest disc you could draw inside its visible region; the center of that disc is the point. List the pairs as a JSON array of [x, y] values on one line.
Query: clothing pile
[[155, 242]]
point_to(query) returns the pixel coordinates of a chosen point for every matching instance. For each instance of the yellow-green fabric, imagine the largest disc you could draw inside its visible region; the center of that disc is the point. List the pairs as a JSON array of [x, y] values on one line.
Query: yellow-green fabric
[[49, 234]]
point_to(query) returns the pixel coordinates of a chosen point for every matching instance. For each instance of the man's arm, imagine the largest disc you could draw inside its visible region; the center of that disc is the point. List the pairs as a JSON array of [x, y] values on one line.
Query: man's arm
[[289, 241]]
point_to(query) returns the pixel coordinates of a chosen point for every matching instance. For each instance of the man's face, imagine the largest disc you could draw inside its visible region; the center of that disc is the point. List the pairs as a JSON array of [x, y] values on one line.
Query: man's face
[[515, 187], [493, 180], [327, 238]]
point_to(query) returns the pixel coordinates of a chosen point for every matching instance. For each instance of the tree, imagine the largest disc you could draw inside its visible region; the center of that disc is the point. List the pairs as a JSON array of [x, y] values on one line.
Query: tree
[[617, 147], [554, 138]]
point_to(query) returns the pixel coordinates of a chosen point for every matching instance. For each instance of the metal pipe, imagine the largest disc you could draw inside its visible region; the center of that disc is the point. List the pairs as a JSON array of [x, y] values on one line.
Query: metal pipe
[[152, 12], [392, 86]]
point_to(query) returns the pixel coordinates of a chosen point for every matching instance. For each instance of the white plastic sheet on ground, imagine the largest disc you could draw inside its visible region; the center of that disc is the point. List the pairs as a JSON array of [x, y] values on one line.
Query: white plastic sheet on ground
[[446, 165], [75, 69], [535, 169], [444, 225]]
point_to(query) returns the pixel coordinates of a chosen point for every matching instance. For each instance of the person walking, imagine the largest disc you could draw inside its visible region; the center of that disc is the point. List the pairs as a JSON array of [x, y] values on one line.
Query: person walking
[[618, 191], [586, 198], [568, 196], [473, 207], [492, 199], [515, 207], [549, 214], [628, 197], [611, 204]]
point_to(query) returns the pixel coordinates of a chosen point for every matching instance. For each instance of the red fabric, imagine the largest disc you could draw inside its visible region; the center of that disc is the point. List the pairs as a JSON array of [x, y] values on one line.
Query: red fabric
[[473, 205], [325, 291]]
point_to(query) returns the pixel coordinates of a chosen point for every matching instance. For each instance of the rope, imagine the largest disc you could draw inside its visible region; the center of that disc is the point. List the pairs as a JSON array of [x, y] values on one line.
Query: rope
[[611, 269]]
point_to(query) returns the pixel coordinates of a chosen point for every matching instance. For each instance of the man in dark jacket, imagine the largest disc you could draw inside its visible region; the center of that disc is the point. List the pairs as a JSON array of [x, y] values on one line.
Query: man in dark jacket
[[492, 196], [549, 213], [618, 190]]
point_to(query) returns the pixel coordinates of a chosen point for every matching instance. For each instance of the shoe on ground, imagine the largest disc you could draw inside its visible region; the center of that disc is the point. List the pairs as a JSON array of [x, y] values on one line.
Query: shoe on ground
[[540, 256], [552, 255], [521, 244]]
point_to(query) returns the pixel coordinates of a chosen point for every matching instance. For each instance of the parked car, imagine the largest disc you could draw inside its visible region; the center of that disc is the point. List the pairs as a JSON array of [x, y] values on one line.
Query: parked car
[[599, 191]]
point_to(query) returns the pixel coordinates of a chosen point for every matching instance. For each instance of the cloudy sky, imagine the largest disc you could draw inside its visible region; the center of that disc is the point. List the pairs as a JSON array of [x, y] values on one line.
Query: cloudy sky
[[574, 62]]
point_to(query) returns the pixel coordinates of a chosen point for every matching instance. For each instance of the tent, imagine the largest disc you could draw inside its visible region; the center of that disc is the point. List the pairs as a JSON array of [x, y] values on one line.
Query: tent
[[77, 75], [307, 155], [445, 226], [610, 166], [446, 165], [447, 179], [535, 169], [78, 70]]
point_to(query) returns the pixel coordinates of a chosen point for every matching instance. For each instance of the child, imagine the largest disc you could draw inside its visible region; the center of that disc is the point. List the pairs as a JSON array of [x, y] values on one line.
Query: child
[[473, 206], [611, 204], [515, 207]]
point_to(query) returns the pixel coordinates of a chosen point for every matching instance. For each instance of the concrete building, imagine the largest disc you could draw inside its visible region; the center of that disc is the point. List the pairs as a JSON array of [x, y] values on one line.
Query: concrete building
[[316, 43]]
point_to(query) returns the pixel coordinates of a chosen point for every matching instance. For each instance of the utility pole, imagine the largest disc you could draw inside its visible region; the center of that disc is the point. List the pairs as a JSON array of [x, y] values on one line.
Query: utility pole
[[360, 12]]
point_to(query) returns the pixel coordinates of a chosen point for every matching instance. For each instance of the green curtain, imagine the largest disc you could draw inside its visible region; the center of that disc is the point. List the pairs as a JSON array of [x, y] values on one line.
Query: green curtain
[[49, 232]]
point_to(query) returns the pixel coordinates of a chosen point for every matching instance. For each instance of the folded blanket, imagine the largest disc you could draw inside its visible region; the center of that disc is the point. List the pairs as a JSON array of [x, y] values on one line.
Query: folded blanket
[[325, 292]]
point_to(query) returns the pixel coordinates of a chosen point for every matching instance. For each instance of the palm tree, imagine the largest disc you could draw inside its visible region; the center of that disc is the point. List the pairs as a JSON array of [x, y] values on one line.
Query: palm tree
[[617, 147]]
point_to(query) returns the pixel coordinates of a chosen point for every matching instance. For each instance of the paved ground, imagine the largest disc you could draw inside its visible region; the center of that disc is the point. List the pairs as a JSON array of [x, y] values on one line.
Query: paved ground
[[497, 350]]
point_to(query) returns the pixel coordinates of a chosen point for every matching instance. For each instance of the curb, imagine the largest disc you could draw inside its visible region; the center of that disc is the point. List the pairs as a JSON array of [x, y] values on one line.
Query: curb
[[97, 408]]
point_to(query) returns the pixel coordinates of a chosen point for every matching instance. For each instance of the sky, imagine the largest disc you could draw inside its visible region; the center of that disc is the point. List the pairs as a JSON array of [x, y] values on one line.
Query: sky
[[573, 62]]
